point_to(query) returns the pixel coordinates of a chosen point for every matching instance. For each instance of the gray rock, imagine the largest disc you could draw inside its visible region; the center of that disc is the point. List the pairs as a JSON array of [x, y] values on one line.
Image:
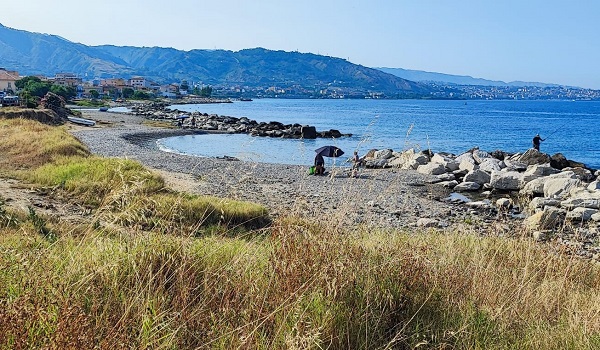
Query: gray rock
[[431, 169], [596, 217], [448, 184], [509, 180], [514, 165], [383, 154], [479, 176], [560, 187], [376, 163], [426, 222], [534, 187], [545, 220], [581, 214], [480, 155], [491, 164], [467, 165], [536, 171], [467, 186], [582, 173], [541, 202], [503, 203], [446, 177], [594, 186], [572, 203], [533, 156]]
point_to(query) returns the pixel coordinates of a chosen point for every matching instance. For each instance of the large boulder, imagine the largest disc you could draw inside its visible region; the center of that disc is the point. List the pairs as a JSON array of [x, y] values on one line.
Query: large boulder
[[480, 155], [534, 187], [309, 132], [545, 220], [447, 161], [559, 161], [479, 176], [506, 180], [572, 203], [467, 186], [431, 169], [560, 187], [533, 156], [582, 173], [491, 164], [581, 214], [376, 163], [514, 165], [383, 154], [536, 171], [542, 203], [467, 165]]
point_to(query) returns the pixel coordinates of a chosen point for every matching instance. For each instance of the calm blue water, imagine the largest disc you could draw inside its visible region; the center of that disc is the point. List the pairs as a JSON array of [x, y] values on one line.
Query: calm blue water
[[569, 127]]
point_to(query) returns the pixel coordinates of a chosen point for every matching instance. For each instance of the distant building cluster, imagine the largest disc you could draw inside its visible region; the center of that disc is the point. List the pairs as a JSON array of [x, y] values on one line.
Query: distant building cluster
[[121, 87]]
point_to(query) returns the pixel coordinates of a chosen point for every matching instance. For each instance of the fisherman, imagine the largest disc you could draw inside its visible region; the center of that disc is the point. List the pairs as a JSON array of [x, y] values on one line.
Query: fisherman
[[536, 141]]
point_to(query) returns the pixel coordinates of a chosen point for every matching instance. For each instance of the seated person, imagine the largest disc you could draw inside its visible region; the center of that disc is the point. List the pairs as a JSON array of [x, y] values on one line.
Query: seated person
[[319, 165]]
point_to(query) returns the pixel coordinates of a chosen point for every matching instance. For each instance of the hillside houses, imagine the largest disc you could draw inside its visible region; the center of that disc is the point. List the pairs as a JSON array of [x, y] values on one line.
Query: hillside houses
[[8, 79]]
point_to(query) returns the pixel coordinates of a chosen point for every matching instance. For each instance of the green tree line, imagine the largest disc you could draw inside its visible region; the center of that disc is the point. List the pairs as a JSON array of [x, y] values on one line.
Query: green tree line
[[32, 89]]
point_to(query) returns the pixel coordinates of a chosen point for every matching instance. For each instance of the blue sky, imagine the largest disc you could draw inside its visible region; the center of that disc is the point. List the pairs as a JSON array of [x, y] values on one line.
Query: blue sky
[[531, 40]]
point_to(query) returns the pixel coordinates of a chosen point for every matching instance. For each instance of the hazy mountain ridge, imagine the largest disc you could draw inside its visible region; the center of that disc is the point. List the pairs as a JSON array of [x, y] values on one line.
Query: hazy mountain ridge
[[35, 53], [424, 76]]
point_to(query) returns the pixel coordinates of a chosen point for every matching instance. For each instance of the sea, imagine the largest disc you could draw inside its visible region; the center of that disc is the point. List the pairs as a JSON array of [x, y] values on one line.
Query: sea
[[454, 126]]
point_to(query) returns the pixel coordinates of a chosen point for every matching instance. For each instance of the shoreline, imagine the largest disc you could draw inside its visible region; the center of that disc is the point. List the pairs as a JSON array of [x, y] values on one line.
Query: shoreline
[[382, 198], [379, 199]]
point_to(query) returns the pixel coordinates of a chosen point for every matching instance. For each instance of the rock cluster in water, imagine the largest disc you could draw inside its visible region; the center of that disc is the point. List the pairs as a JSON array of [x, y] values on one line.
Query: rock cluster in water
[[214, 122]]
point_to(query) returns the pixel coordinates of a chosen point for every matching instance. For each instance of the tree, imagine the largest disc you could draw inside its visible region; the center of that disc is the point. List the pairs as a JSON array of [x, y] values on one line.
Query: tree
[[206, 91], [37, 88], [22, 83], [94, 94], [184, 85], [66, 92], [128, 92], [141, 95]]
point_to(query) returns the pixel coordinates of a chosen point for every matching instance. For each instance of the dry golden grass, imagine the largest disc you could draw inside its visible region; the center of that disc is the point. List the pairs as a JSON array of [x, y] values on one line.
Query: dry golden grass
[[26, 144], [301, 286]]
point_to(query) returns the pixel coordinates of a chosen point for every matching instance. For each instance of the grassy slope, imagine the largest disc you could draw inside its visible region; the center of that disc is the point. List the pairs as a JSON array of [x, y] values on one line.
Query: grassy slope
[[162, 280]]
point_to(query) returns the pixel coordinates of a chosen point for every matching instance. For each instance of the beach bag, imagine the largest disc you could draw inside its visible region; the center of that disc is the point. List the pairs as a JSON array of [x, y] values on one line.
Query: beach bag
[[311, 170]]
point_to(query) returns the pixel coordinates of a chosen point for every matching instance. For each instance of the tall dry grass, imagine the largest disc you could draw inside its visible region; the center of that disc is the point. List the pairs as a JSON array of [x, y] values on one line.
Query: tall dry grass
[[145, 272], [300, 286]]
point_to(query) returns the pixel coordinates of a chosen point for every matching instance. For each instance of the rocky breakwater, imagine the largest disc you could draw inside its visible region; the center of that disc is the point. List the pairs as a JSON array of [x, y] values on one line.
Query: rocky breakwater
[[558, 198], [233, 125]]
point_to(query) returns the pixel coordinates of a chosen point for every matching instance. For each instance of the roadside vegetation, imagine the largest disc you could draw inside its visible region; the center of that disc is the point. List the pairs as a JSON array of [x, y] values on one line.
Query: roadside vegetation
[[148, 267]]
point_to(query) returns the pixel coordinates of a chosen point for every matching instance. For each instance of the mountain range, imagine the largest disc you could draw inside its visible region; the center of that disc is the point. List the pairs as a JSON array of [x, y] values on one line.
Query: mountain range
[[432, 77], [35, 53]]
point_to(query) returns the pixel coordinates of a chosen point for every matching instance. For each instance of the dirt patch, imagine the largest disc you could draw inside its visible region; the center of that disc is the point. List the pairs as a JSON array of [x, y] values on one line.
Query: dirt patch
[[20, 196]]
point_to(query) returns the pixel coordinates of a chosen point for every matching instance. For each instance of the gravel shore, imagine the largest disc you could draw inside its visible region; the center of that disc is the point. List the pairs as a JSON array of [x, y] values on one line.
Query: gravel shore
[[387, 198]]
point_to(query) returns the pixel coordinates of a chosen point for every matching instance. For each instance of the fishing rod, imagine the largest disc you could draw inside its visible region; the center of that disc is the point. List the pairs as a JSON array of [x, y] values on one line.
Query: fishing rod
[[555, 131]]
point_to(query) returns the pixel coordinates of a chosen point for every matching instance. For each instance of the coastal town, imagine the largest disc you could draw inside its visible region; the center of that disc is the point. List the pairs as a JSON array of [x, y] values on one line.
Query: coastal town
[[139, 87]]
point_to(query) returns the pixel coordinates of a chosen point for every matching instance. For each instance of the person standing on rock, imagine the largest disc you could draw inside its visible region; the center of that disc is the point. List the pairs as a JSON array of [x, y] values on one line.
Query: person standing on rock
[[536, 141]]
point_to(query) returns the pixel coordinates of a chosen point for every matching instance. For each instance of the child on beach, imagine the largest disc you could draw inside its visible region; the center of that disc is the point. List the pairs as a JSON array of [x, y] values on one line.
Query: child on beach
[[355, 164]]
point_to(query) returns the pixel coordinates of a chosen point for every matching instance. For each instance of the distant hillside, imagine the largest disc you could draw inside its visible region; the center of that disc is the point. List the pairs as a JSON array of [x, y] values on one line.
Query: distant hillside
[[422, 76], [34, 53]]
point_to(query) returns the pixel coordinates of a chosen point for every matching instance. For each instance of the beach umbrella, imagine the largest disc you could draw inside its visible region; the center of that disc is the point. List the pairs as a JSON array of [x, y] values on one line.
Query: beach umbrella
[[329, 151]]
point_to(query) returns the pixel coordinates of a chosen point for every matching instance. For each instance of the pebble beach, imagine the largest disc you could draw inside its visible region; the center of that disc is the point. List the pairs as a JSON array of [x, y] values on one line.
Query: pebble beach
[[377, 198]]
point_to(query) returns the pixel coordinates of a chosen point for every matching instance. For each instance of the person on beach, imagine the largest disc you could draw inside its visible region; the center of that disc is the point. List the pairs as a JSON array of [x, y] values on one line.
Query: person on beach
[[319, 165], [193, 122], [355, 164], [536, 141]]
